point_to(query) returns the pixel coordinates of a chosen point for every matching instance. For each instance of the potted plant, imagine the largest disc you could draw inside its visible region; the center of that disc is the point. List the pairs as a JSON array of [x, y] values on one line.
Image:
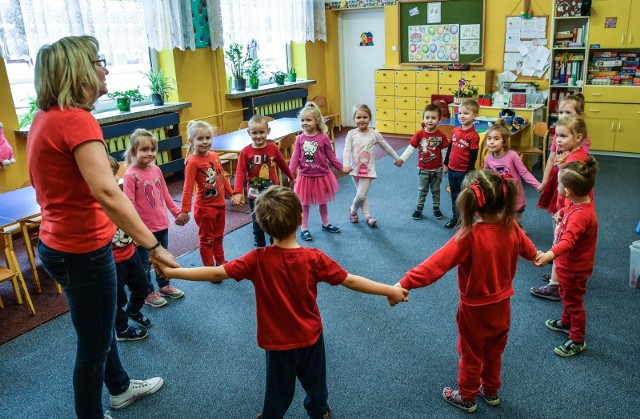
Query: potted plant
[[253, 73], [161, 86], [124, 99], [27, 118], [278, 77], [291, 75], [236, 62], [465, 90]]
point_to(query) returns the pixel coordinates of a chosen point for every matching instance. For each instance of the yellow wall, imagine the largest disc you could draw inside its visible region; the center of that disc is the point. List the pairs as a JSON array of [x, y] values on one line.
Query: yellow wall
[[11, 177]]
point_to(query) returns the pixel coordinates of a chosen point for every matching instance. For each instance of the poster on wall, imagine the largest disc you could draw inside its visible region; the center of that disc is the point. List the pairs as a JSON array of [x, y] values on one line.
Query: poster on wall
[[434, 43]]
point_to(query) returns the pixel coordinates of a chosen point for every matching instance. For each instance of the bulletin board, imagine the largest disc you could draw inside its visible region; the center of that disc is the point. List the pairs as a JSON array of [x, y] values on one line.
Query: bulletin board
[[440, 32], [525, 46]]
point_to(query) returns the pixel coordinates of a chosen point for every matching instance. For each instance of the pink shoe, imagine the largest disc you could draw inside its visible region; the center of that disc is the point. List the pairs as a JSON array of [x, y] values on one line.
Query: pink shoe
[[371, 221]]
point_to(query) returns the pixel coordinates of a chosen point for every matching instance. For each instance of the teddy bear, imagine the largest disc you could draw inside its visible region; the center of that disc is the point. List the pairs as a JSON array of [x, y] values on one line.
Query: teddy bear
[[6, 152]]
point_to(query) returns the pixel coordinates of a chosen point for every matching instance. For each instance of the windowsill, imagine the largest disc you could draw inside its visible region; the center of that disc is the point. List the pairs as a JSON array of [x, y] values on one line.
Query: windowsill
[[269, 88], [137, 112]]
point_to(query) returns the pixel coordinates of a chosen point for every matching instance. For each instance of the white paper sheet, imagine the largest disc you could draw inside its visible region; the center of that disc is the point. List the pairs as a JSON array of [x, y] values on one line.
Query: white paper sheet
[[434, 12]]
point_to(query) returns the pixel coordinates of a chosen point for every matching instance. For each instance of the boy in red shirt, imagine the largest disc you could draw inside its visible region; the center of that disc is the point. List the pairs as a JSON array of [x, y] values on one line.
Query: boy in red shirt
[[429, 142], [462, 152], [285, 277], [574, 252]]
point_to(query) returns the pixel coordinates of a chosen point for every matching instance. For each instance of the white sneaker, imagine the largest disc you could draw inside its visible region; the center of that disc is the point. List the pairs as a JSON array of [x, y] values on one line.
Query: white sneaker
[[136, 390], [107, 415]]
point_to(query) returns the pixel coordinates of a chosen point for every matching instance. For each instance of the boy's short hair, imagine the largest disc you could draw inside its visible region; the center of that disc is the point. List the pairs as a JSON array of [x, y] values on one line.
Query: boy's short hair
[[471, 105], [278, 211], [432, 107], [258, 120]]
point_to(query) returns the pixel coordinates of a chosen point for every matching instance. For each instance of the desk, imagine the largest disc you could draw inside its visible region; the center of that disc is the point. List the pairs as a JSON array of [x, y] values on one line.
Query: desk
[[235, 141]]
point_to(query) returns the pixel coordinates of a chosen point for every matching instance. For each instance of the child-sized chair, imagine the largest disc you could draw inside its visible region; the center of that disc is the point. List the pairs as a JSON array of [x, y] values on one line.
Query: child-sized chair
[[12, 271], [541, 131]]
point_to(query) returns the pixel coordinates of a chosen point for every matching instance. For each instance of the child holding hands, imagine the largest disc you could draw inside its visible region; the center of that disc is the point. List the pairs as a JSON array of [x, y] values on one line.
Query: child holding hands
[[430, 142], [312, 156], [204, 170], [462, 153], [486, 253], [257, 167], [285, 278], [574, 252], [359, 160]]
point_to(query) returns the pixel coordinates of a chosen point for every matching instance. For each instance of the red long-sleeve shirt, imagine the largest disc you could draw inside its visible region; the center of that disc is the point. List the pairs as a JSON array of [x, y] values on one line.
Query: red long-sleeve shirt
[[260, 163], [578, 232], [487, 260], [206, 173]]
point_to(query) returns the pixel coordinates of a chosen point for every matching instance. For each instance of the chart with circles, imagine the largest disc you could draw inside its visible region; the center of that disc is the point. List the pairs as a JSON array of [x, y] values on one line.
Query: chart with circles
[[434, 42]]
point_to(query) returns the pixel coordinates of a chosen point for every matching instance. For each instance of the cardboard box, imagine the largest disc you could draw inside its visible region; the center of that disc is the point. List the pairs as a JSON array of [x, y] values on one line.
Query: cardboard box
[[634, 264], [518, 100]]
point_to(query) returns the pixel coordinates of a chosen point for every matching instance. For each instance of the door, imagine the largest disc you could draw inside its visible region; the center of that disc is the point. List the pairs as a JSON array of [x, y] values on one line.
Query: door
[[609, 23], [358, 63]]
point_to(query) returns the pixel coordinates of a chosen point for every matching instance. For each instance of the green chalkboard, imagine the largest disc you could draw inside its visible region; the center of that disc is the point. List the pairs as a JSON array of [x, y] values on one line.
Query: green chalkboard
[[450, 31]]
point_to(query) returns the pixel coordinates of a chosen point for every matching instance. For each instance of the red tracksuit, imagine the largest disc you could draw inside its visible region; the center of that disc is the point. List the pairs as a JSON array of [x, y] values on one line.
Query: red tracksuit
[[487, 260], [578, 232]]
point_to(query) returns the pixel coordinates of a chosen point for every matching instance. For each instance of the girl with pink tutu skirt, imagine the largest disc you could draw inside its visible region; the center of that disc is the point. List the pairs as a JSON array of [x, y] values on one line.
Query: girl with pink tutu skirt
[[313, 157]]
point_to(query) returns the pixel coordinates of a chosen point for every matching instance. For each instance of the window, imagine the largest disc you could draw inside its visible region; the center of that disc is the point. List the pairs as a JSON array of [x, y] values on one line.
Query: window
[[115, 23]]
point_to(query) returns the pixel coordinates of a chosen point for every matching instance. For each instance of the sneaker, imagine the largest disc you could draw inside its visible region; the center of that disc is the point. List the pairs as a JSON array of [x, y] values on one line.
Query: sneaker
[[171, 292], [372, 222], [451, 223], [305, 235], [453, 397], [570, 348], [154, 300], [417, 214], [353, 216], [557, 326], [107, 415], [137, 389], [546, 277], [549, 292], [330, 228], [490, 400], [132, 333], [141, 319], [327, 415], [437, 213]]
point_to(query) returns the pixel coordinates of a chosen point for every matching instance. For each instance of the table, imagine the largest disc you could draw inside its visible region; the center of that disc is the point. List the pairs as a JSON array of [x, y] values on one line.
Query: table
[[235, 141]]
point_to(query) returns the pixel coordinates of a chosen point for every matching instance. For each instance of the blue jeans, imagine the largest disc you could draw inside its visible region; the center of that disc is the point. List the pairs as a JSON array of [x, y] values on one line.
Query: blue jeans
[[89, 284], [131, 274], [455, 183], [309, 365], [258, 234], [163, 237]]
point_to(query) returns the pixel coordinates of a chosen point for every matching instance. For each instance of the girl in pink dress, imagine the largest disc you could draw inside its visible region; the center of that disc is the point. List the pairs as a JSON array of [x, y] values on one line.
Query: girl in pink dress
[[313, 157]]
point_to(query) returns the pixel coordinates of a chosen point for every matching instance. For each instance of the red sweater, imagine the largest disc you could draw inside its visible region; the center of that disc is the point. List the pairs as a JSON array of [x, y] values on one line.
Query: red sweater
[[462, 141], [576, 237], [486, 259], [206, 173]]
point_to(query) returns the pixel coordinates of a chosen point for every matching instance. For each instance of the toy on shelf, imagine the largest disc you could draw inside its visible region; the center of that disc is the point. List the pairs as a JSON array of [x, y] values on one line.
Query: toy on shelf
[[6, 152]]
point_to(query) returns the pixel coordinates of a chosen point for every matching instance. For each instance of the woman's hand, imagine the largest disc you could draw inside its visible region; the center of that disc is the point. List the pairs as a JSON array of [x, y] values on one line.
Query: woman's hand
[[162, 255]]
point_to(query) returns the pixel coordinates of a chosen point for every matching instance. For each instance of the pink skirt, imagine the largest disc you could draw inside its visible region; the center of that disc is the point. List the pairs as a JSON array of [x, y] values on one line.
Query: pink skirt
[[316, 190]]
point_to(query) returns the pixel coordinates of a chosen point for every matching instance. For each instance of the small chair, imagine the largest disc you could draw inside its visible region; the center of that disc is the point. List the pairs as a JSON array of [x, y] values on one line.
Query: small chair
[[323, 105], [330, 124], [540, 130], [244, 125], [12, 271], [226, 159], [286, 145], [446, 130], [482, 151]]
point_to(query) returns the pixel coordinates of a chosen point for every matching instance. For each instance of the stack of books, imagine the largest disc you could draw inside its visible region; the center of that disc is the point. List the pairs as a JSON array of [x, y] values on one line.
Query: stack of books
[[614, 67], [566, 67], [570, 39]]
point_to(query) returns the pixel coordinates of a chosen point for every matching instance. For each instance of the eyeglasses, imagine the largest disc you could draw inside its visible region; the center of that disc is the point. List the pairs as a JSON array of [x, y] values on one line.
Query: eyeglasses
[[102, 62]]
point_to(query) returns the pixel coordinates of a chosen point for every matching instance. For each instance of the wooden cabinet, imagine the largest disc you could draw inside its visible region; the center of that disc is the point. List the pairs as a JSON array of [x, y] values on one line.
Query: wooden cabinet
[[613, 127], [614, 24], [401, 95]]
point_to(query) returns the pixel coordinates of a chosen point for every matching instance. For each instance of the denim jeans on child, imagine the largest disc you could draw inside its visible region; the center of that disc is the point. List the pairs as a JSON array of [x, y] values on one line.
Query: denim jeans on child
[[131, 274], [455, 183], [89, 284], [163, 237]]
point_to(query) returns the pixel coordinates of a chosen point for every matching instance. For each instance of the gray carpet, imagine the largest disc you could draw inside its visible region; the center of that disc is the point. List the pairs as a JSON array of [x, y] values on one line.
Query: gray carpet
[[382, 362]]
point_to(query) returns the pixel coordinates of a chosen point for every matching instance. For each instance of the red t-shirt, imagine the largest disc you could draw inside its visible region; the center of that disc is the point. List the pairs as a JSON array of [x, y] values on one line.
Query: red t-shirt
[[72, 219], [211, 185], [122, 246], [259, 163], [486, 259], [576, 238], [285, 282], [461, 142], [429, 146]]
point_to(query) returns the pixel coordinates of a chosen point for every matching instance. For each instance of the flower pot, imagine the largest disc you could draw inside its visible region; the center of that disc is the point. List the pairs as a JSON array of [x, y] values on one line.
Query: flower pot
[[157, 99], [279, 79], [457, 100], [254, 82], [123, 104], [239, 85], [292, 77]]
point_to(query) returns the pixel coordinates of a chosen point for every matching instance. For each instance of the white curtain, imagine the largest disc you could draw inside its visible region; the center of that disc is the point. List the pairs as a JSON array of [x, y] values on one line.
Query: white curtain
[[275, 21], [169, 24]]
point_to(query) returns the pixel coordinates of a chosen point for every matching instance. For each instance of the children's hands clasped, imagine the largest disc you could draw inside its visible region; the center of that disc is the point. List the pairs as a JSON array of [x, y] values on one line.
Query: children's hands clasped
[[542, 258], [182, 218], [398, 295], [399, 162]]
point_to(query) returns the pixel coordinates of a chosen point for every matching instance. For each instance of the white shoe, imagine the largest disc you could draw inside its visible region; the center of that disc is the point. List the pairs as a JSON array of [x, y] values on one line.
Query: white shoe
[[137, 389]]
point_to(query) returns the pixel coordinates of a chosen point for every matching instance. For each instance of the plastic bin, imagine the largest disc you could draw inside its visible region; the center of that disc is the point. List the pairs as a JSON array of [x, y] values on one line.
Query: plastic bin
[[634, 264]]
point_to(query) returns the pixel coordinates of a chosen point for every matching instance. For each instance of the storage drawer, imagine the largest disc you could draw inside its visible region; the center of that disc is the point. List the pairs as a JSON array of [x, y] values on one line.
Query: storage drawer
[[408, 128], [614, 94], [385, 126], [408, 76], [404, 115], [384, 114], [603, 110], [476, 78], [427, 77], [421, 102], [384, 76], [426, 90], [449, 77], [404, 102], [383, 89], [384, 102], [447, 89], [419, 117], [404, 89]]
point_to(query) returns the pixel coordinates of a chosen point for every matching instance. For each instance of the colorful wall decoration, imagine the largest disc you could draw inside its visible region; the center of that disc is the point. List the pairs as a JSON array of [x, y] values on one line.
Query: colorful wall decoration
[[434, 42]]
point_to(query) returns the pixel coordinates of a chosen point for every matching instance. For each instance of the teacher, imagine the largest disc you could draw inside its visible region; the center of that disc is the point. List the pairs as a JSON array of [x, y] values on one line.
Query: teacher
[[80, 203]]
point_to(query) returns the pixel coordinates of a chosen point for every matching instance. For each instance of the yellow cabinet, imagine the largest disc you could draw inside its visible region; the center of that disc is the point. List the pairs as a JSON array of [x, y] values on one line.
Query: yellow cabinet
[[404, 102], [385, 126], [384, 102], [613, 127], [384, 114], [404, 89], [383, 89], [427, 77], [614, 24], [407, 76], [404, 115], [384, 76], [612, 94], [406, 128]]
